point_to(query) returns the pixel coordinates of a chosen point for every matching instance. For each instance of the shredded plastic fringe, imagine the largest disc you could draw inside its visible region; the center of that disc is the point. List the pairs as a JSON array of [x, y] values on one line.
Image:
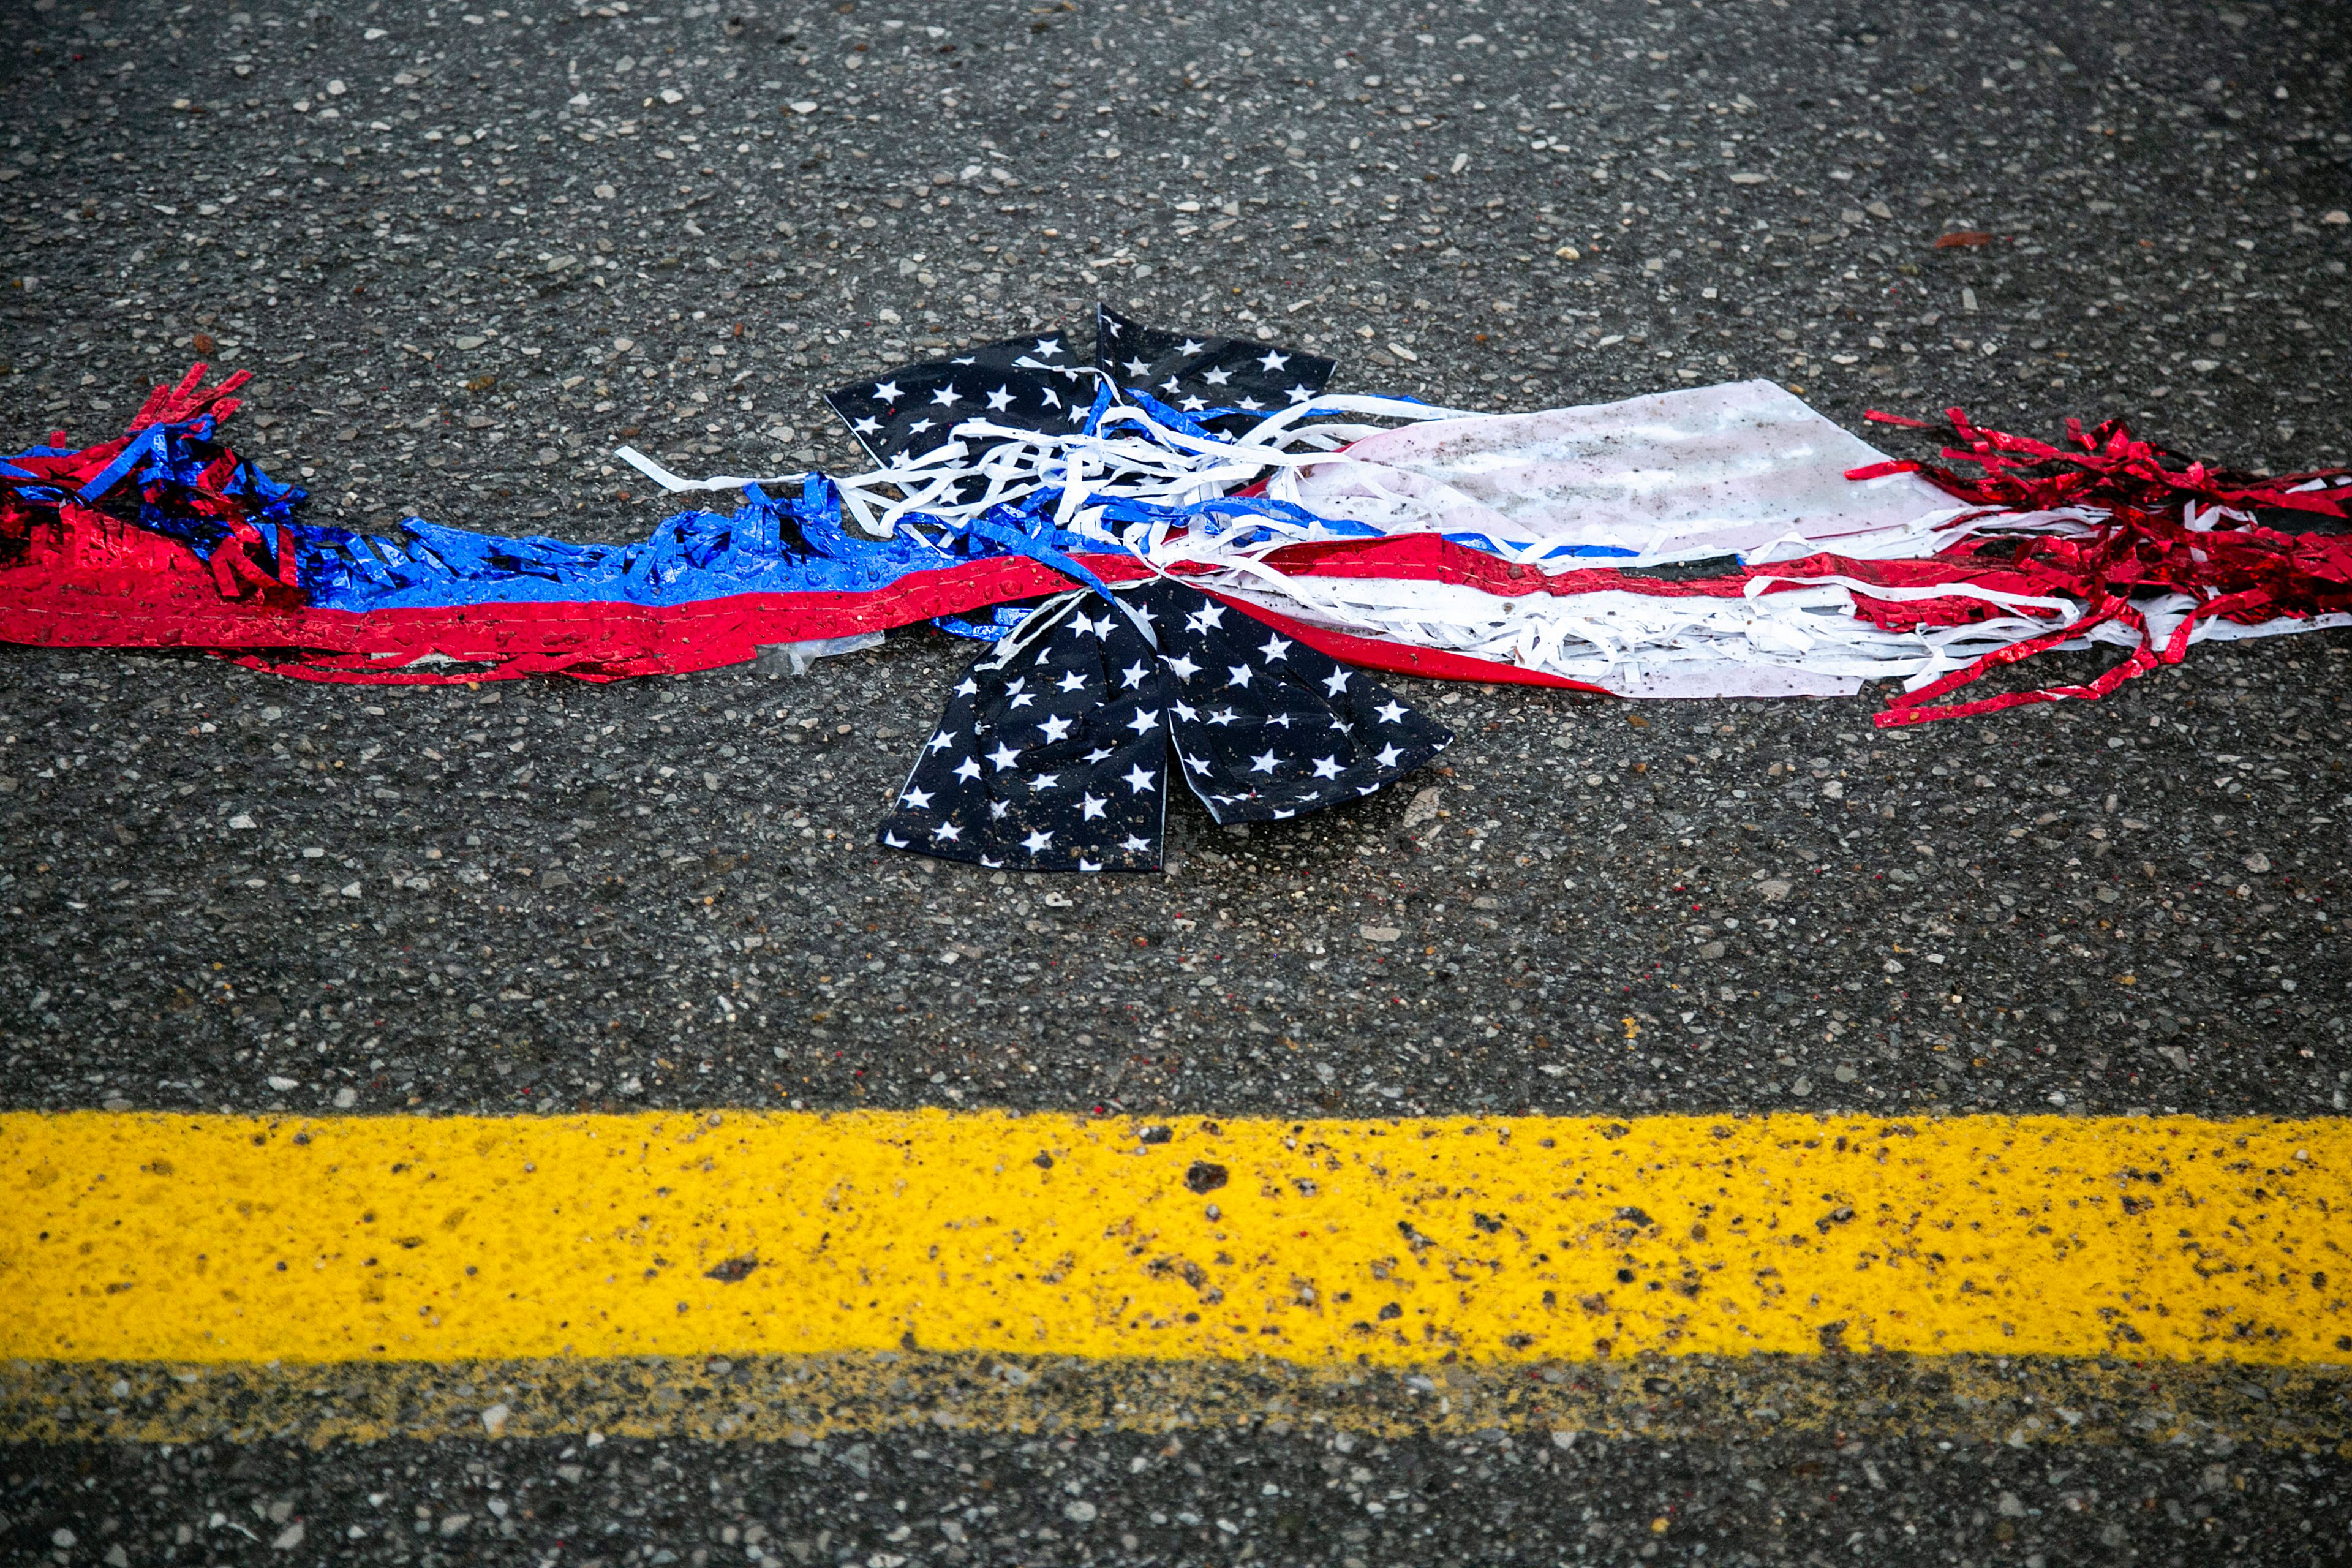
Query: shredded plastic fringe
[[165, 538], [2176, 546]]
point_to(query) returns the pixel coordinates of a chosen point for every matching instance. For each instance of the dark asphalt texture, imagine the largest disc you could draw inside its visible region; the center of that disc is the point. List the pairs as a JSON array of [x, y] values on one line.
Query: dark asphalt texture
[[466, 253], [1263, 1496]]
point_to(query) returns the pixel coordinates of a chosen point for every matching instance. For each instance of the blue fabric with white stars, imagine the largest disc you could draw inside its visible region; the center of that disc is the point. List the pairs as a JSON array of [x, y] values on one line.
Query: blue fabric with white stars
[[1058, 750]]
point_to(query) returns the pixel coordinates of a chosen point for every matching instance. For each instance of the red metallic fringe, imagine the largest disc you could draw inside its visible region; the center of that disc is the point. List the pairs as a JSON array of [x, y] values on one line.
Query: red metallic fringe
[[2244, 547], [2169, 525]]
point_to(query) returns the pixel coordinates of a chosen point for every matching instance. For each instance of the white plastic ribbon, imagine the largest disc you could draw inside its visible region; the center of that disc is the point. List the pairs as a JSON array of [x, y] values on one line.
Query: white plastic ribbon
[[677, 486], [1745, 470]]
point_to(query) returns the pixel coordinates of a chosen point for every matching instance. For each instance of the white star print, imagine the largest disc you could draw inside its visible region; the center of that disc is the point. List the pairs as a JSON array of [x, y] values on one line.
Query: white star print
[[1274, 361], [1250, 404], [940, 741], [1091, 806], [1388, 757], [1044, 781], [1170, 386], [1036, 841], [869, 426], [1336, 682], [1046, 395], [1145, 720], [1275, 649], [1087, 865], [1190, 347], [1390, 712], [1004, 756], [1193, 405], [947, 833], [1052, 729], [893, 841], [1133, 676], [966, 770], [1198, 764], [1138, 779], [1216, 377], [919, 426], [1183, 665], [1186, 711], [1264, 763], [1224, 716], [1000, 398], [947, 398], [918, 798], [1132, 842], [968, 686], [1072, 681], [1327, 767], [967, 359], [1238, 675], [1137, 368], [1301, 393], [1098, 754], [1279, 721], [885, 392], [997, 808], [1049, 347], [1206, 617]]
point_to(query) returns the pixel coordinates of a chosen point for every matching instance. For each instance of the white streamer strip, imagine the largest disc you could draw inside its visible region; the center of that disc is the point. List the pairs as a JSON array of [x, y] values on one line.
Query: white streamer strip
[[1129, 457], [677, 486], [1744, 470]]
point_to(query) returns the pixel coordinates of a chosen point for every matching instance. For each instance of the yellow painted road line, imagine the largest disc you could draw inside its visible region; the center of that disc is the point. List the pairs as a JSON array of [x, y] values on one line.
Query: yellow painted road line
[[210, 1239]]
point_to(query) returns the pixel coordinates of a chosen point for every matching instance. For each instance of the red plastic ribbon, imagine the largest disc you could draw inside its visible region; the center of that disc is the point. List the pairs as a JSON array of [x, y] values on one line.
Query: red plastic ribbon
[[2233, 566], [74, 574]]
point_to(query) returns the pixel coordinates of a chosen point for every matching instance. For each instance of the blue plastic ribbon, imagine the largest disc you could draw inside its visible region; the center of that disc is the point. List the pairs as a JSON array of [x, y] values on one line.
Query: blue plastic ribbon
[[793, 542]]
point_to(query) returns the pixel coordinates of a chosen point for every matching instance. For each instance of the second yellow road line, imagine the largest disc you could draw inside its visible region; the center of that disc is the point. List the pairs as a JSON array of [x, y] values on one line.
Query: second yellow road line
[[211, 1238]]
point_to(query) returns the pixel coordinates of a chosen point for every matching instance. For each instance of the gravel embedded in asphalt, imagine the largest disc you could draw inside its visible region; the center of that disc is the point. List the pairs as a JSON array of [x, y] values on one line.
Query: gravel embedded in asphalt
[[240, 891], [468, 253], [1269, 1493]]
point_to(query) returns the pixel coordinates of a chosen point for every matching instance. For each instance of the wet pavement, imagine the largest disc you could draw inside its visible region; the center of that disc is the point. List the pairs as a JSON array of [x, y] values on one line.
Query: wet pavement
[[468, 253]]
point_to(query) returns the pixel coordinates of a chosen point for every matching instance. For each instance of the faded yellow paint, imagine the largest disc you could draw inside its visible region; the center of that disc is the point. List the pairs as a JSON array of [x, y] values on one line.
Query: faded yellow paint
[[2022, 1401], [210, 1239]]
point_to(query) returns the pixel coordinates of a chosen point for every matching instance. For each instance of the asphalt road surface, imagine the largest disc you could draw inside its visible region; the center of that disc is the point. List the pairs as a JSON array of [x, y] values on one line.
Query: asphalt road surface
[[466, 253]]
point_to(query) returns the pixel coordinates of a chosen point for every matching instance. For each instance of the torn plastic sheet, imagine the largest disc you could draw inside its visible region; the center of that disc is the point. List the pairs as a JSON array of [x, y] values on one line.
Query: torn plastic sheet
[[1744, 470], [800, 658]]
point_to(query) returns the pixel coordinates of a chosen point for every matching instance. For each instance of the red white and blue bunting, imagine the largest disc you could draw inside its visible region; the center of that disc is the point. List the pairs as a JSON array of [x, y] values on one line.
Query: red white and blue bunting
[[1713, 542]]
